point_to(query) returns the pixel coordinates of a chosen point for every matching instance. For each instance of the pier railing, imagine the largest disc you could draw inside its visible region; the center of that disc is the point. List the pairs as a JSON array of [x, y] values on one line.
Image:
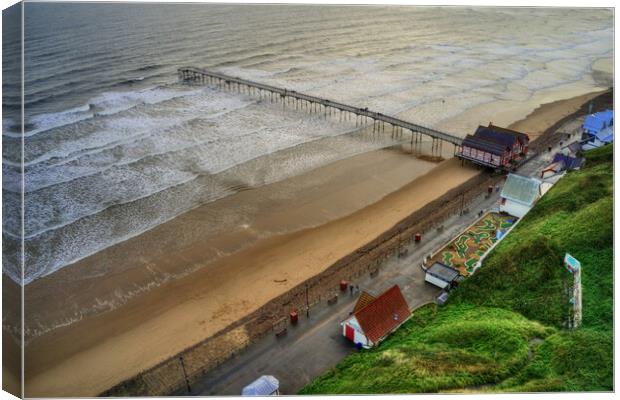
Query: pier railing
[[206, 76]]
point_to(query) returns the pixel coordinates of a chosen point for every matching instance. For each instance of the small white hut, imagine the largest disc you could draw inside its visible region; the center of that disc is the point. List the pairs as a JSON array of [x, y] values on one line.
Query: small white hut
[[266, 385], [519, 195], [441, 275]]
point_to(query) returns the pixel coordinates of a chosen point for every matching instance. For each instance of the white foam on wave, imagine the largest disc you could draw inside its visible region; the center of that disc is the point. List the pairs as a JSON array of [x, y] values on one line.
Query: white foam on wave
[[106, 103], [115, 102], [111, 125], [128, 138], [44, 122]]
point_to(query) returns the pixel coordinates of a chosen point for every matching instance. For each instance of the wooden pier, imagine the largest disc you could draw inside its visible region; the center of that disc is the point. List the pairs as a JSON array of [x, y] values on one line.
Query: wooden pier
[[316, 104]]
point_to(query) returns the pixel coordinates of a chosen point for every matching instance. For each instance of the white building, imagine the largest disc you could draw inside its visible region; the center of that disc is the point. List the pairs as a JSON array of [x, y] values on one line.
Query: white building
[[266, 385], [441, 275], [519, 195]]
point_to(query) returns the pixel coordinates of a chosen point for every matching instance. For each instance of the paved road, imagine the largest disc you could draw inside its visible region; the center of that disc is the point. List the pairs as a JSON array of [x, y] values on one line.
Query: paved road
[[316, 343]]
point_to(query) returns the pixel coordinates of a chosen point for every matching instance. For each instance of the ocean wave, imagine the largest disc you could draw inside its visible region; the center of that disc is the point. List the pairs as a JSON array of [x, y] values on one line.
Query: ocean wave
[[41, 123], [106, 103], [46, 177], [146, 182], [131, 81], [148, 67], [109, 103], [122, 128]]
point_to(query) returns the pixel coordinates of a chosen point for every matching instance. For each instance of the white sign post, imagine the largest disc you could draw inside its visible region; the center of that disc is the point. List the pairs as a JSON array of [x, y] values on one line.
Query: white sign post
[[574, 266]]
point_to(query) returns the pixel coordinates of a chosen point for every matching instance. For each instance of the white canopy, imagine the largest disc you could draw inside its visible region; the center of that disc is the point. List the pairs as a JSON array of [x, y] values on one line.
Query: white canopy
[[266, 385]]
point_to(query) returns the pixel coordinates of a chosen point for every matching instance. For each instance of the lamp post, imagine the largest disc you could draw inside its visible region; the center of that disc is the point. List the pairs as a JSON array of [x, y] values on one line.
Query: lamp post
[[307, 303], [189, 389]]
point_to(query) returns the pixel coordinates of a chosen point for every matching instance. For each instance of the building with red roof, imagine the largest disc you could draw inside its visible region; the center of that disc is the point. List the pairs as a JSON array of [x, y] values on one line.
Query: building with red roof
[[374, 318]]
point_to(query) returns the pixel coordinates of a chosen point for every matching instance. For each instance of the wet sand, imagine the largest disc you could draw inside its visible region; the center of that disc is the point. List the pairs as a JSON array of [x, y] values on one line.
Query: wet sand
[[89, 356]]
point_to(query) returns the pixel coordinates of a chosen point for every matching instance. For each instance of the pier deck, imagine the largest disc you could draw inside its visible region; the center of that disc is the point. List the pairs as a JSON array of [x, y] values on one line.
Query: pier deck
[[312, 102]]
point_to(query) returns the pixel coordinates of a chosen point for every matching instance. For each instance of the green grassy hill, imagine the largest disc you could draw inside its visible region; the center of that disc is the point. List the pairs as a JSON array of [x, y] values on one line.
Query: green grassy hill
[[503, 328]]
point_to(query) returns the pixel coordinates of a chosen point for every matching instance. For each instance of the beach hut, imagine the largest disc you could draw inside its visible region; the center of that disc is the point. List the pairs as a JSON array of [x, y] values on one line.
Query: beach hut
[[561, 162], [441, 275], [266, 385], [519, 195], [374, 318], [596, 122]]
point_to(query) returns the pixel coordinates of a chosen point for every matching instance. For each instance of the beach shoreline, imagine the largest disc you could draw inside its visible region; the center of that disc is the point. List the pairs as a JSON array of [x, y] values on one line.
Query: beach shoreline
[[181, 303]]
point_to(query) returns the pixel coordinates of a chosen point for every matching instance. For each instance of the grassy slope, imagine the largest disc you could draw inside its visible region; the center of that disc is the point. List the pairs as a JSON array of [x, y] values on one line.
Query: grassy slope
[[502, 330]]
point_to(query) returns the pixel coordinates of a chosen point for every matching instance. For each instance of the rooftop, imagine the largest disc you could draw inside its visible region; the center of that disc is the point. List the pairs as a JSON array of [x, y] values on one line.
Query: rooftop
[[606, 135], [568, 161], [504, 136], [484, 144], [443, 272], [597, 121], [521, 135], [521, 189], [263, 386], [364, 299], [384, 314]]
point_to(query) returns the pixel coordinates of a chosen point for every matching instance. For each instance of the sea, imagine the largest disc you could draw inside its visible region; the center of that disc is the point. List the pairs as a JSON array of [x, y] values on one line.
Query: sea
[[114, 144]]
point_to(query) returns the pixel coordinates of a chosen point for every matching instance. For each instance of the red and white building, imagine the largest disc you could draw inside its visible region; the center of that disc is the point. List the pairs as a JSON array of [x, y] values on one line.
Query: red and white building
[[374, 318], [494, 146]]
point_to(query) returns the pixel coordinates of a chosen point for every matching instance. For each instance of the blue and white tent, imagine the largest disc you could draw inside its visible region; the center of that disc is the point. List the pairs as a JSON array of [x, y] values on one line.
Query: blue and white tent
[[596, 122], [266, 385]]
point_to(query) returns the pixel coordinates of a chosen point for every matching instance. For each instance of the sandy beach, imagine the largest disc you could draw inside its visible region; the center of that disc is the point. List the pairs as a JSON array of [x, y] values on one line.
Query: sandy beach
[[137, 303]]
